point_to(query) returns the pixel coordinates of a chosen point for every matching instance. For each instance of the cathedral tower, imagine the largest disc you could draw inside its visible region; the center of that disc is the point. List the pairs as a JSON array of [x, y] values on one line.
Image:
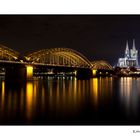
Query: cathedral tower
[[130, 57], [127, 53], [134, 54]]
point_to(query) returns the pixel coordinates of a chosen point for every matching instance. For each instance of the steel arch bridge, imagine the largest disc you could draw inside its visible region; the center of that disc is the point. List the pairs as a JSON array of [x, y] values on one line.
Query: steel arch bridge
[[8, 54], [64, 57], [59, 57], [101, 65]]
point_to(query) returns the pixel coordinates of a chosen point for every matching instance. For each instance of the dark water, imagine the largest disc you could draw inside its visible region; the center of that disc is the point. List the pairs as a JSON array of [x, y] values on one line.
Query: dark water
[[68, 101]]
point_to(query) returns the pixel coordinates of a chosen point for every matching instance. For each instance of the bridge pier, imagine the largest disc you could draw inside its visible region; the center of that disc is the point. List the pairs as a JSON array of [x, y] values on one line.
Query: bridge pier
[[18, 73], [29, 72]]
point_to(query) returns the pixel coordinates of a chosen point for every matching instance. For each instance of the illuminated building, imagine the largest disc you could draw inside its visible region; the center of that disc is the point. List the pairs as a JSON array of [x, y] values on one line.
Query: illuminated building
[[130, 57]]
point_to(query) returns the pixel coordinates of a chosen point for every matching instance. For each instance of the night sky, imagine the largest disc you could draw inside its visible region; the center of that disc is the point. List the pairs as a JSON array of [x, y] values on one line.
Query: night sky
[[95, 36]]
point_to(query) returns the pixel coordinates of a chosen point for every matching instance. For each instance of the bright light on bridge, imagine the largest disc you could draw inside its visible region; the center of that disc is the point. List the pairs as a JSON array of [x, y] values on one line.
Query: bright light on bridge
[[29, 72], [94, 72]]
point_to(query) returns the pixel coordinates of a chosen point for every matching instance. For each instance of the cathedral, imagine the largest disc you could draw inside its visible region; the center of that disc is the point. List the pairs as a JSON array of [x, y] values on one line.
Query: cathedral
[[130, 57]]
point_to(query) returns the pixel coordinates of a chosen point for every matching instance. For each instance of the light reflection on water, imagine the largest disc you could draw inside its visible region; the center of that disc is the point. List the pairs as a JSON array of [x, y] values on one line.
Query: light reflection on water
[[129, 94], [3, 94], [30, 99], [48, 100]]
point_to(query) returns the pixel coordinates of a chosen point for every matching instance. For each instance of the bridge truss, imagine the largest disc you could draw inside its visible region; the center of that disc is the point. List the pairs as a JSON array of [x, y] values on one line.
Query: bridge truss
[[65, 57], [59, 57], [8, 54], [101, 65]]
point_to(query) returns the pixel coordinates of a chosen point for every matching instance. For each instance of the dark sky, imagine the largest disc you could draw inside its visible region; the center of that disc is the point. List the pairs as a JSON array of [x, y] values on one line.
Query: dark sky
[[95, 36]]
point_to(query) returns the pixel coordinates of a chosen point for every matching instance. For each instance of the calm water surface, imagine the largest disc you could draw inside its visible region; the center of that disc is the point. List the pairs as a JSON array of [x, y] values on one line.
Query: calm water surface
[[66, 101]]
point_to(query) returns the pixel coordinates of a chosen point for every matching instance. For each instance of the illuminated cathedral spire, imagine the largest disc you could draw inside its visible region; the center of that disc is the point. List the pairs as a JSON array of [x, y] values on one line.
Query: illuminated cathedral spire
[[130, 57], [133, 47], [127, 50]]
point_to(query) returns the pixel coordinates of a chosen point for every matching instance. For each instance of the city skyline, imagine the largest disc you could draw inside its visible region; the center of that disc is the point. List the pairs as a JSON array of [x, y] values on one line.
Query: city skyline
[[98, 37]]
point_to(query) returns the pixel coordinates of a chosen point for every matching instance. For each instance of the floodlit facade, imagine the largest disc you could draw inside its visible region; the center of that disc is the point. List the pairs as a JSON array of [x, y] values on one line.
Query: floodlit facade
[[130, 57]]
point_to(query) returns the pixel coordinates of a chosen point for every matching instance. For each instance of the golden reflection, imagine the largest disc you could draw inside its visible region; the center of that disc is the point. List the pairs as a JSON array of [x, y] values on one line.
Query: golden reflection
[[83, 87], [64, 93], [29, 72], [3, 94], [100, 85], [71, 94], [43, 98], [126, 91], [50, 90], [29, 99], [111, 85], [106, 86], [101, 90], [79, 89], [57, 94], [34, 93], [95, 90], [3, 91], [75, 90], [69, 90], [67, 96]]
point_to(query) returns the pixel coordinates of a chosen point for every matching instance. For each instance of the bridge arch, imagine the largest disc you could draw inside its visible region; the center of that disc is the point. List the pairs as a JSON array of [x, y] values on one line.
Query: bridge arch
[[8, 54], [59, 57], [101, 65]]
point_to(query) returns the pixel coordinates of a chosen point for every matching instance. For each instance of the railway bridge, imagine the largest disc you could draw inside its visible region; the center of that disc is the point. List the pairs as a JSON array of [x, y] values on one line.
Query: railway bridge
[[50, 61]]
